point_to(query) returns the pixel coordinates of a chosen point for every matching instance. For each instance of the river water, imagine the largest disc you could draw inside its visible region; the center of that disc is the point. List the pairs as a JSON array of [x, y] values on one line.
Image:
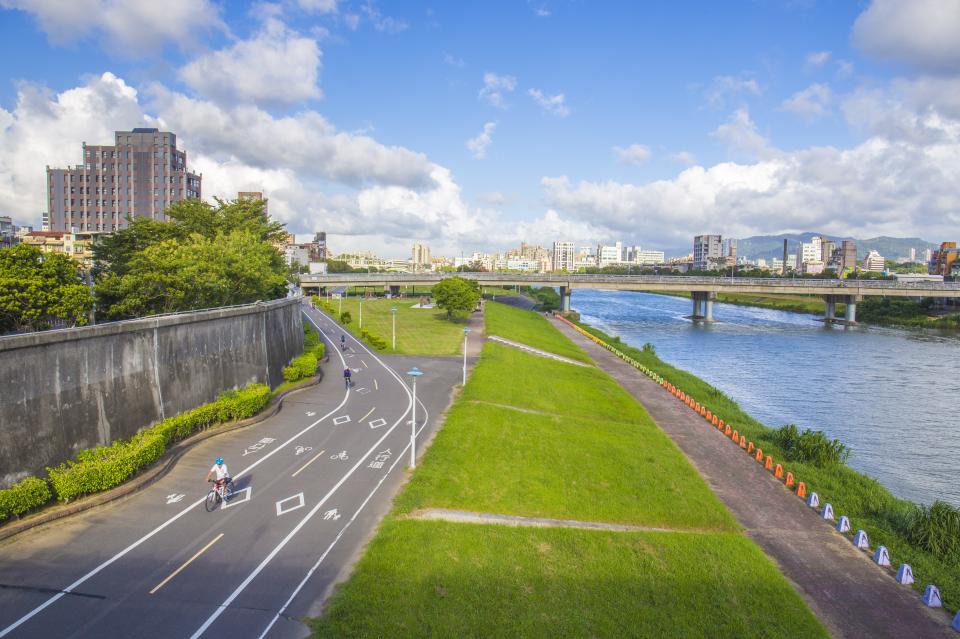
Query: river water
[[891, 395]]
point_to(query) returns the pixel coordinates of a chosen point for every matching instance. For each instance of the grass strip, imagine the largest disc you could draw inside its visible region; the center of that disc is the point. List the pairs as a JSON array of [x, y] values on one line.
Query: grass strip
[[869, 505], [529, 328], [439, 579]]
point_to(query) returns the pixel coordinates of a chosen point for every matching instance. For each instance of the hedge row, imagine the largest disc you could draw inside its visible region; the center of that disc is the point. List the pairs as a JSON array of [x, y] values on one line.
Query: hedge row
[[305, 365], [374, 340], [104, 467]]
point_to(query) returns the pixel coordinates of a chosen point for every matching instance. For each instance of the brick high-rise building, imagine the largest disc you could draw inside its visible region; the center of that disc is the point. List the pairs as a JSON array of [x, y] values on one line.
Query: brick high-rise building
[[141, 175]]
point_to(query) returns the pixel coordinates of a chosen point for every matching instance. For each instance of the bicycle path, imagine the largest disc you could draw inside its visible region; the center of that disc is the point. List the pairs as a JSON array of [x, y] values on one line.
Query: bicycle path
[[312, 482], [849, 594]]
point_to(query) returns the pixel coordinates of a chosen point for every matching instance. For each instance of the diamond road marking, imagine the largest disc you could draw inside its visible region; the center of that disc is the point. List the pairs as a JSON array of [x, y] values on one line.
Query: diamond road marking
[[377, 423], [343, 419], [235, 498], [281, 510]]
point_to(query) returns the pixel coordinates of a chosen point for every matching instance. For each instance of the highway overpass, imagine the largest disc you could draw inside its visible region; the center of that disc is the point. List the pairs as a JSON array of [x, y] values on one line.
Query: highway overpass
[[703, 289]]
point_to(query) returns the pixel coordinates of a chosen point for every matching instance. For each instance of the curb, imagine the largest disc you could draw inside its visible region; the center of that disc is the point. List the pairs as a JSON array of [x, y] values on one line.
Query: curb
[[155, 472]]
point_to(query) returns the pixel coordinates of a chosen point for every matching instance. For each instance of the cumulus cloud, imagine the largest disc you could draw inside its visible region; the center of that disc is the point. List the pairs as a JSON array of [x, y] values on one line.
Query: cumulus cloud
[[381, 22], [684, 157], [920, 33], [817, 59], [492, 198], [125, 27], [478, 145], [811, 103], [553, 104], [633, 154], [276, 66], [741, 137], [494, 86], [725, 87], [319, 6]]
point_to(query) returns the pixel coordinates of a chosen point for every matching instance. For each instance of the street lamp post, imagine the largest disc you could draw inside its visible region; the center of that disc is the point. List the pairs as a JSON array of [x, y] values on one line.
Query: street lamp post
[[393, 311], [361, 312], [414, 373], [465, 332], [340, 304]]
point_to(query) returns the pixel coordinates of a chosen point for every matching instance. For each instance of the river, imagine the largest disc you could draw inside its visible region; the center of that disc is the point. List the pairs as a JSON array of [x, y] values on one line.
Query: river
[[890, 395]]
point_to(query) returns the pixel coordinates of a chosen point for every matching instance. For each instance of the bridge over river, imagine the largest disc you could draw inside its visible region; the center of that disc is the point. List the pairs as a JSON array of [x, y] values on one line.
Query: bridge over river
[[703, 290]]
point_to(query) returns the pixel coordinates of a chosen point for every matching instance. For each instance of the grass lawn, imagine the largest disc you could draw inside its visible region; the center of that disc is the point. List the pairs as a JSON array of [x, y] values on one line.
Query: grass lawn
[[437, 579], [529, 328], [420, 331], [562, 467]]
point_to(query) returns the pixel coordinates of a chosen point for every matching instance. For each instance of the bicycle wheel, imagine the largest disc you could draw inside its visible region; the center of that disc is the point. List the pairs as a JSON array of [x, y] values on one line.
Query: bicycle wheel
[[212, 501]]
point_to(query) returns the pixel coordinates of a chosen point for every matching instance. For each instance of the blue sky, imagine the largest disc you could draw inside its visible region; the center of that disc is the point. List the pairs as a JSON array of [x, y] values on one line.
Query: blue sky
[[476, 125]]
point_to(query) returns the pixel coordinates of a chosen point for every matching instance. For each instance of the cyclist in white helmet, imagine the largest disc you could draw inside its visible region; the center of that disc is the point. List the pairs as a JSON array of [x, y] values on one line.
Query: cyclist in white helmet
[[219, 469]]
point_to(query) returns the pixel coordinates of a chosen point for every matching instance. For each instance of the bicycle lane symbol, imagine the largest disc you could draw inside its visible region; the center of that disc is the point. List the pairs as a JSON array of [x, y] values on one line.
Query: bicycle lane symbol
[[299, 450], [342, 456]]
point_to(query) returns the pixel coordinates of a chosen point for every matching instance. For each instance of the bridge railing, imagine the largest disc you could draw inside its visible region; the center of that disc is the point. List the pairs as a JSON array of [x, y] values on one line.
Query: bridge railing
[[647, 280]]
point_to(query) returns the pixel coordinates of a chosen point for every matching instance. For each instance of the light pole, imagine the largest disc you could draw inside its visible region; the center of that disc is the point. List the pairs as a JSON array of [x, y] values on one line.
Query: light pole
[[361, 313], [465, 332], [339, 304], [414, 373], [393, 311]]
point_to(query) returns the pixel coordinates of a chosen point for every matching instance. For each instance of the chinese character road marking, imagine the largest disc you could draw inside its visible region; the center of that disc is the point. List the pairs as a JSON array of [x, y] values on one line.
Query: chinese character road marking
[[380, 459], [260, 445]]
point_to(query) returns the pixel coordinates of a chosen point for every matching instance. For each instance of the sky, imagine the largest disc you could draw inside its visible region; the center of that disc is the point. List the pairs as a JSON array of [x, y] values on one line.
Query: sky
[[473, 126]]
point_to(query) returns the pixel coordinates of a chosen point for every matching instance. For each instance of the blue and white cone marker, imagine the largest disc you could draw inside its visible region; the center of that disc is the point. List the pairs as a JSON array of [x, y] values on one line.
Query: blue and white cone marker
[[860, 540], [905, 575], [827, 512], [813, 500], [844, 524], [931, 596], [882, 556]]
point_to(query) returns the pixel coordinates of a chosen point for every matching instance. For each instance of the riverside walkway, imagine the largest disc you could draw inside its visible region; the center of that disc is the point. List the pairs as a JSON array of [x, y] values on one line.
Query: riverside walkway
[[850, 595]]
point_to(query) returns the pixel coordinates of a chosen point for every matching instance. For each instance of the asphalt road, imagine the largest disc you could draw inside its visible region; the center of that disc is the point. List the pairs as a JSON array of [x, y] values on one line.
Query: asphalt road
[[312, 483]]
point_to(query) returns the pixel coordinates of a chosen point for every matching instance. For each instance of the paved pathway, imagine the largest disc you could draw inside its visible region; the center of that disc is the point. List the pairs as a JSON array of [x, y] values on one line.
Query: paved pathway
[[536, 351], [851, 596]]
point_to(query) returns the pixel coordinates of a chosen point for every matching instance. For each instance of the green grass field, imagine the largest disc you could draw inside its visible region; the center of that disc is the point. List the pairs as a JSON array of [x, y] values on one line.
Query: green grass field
[[532, 436], [420, 331], [529, 328], [437, 579]]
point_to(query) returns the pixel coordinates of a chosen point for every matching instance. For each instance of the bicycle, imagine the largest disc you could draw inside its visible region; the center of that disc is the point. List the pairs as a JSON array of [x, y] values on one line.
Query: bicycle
[[220, 492]]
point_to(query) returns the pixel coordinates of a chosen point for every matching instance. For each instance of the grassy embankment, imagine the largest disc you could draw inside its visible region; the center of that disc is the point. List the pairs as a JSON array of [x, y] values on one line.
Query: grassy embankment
[[536, 437], [868, 504], [420, 331]]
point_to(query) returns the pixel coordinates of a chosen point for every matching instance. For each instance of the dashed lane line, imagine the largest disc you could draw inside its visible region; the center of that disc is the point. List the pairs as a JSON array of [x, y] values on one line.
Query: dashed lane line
[[186, 563]]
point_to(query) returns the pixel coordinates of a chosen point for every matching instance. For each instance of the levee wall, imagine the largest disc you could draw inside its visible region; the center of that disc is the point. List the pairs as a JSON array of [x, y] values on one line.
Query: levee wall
[[63, 391]]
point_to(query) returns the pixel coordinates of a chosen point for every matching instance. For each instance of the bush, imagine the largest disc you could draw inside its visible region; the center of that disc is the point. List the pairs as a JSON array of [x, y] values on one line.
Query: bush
[[810, 446], [104, 467], [346, 318], [649, 348], [936, 529], [374, 340], [26, 495], [305, 365]]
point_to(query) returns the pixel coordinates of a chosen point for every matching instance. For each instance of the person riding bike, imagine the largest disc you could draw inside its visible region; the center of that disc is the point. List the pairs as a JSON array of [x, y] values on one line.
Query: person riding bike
[[343, 341], [347, 373], [223, 475]]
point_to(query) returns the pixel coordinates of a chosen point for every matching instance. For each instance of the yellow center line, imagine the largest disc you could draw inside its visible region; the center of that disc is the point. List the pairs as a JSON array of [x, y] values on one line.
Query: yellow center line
[[187, 563], [368, 413], [313, 459]]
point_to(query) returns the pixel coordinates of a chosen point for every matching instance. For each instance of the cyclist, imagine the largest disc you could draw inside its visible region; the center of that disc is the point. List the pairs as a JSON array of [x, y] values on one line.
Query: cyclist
[[219, 469], [346, 377], [343, 341]]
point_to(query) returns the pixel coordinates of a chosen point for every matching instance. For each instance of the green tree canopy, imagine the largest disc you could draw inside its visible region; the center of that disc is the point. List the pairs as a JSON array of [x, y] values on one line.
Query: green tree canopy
[[456, 295], [38, 289]]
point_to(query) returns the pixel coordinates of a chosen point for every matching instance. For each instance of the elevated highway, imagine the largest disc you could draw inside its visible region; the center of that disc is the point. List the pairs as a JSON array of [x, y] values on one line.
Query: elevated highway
[[702, 289]]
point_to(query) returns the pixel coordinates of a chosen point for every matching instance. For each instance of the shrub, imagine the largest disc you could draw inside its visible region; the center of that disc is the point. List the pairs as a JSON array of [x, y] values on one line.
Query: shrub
[[936, 529], [374, 340], [649, 348], [810, 446], [346, 317], [23, 496], [104, 467], [306, 364]]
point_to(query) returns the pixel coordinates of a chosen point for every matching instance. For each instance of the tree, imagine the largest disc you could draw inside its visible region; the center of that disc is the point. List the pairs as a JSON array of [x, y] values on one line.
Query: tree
[[456, 295], [38, 289]]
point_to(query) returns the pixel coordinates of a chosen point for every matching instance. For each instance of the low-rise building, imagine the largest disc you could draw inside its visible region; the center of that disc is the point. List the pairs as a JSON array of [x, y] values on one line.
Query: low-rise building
[[874, 262]]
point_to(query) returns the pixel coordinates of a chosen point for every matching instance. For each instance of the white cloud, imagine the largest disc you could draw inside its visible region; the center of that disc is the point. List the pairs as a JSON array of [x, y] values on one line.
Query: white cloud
[[725, 87], [453, 61], [127, 27], [844, 68], [319, 6], [741, 136], [633, 154], [478, 145], [540, 9], [492, 198], [921, 33], [494, 86], [352, 20], [817, 59], [381, 22], [811, 103], [276, 66], [554, 104], [685, 157]]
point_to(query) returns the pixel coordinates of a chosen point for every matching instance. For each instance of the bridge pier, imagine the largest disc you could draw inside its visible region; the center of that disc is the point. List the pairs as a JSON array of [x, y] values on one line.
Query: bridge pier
[[702, 306], [394, 290], [830, 310], [850, 314], [565, 295]]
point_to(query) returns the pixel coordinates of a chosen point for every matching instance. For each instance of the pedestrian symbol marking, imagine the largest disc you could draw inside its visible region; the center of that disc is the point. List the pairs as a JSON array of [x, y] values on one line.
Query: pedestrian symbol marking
[[331, 515], [377, 423], [175, 497], [296, 501]]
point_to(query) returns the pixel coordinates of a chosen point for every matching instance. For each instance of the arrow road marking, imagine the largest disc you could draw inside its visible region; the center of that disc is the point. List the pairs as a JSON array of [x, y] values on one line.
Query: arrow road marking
[[175, 497], [331, 514]]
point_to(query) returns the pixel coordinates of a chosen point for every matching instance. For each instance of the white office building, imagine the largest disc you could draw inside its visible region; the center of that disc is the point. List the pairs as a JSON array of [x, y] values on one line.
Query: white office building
[[609, 255], [874, 262], [564, 257]]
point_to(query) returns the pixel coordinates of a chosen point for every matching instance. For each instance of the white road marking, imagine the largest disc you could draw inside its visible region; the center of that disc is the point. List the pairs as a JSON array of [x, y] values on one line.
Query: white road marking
[[299, 450], [52, 600], [233, 498], [362, 391], [364, 364], [376, 386], [310, 413], [175, 497], [343, 419], [342, 456], [298, 504], [370, 412], [377, 423], [331, 514]]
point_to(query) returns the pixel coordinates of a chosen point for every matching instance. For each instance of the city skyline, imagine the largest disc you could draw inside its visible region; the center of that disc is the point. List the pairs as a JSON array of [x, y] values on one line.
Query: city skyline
[[750, 119]]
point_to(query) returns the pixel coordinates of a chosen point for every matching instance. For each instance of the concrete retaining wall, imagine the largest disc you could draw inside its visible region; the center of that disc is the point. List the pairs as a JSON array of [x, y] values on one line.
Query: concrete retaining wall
[[63, 391]]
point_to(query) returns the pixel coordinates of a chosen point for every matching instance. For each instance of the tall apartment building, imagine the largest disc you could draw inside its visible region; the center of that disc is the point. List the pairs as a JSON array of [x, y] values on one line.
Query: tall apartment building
[[421, 256], [564, 257], [705, 248], [826, 249], [140, 175]]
